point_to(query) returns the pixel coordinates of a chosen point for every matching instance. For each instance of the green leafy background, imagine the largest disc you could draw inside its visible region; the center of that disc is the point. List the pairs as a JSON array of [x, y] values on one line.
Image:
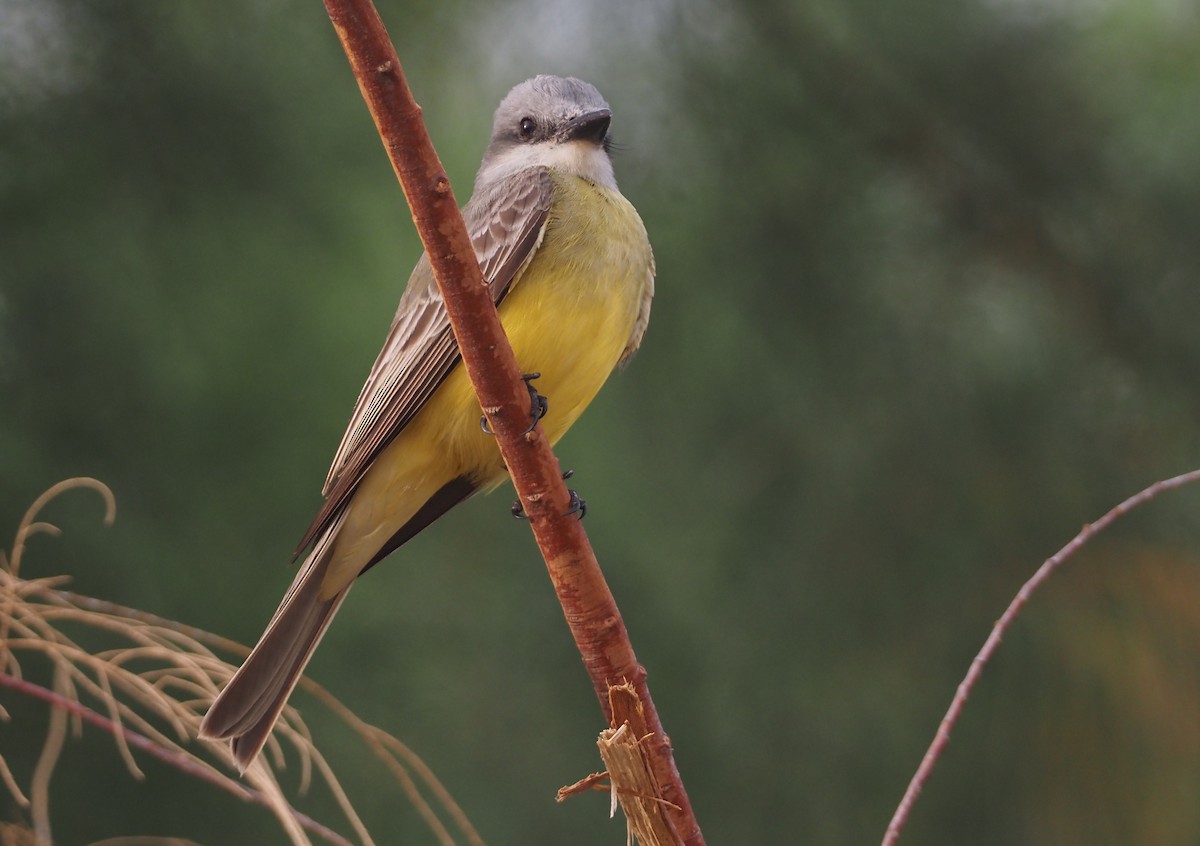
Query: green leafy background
[[927, 302]]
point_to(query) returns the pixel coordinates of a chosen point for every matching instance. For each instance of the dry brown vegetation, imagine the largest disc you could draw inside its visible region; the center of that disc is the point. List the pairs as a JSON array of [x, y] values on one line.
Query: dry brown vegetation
[[149, 692]]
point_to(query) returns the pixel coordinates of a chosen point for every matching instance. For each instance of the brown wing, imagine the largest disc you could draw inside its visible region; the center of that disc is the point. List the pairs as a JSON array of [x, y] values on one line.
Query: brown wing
[[506, 223]]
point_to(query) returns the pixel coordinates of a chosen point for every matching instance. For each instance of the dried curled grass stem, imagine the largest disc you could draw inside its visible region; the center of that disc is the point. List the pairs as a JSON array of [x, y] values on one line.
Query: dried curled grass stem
[[28, 527], [39, 784], [150, 692]]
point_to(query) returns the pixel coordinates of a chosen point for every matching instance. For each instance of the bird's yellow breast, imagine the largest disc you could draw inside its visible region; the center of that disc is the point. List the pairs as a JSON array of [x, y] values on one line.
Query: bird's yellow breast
[[569, 316]]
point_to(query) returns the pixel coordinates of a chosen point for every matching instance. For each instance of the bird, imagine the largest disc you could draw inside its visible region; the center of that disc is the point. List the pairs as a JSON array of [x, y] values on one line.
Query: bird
[[569, 264]]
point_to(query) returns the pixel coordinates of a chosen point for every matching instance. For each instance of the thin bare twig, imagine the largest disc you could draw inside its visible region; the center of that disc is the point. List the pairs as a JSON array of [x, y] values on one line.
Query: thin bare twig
[[942, 737]]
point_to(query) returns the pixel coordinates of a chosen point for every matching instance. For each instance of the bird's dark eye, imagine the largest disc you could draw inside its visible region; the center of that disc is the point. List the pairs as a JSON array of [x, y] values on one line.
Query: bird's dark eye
[[527, 126]]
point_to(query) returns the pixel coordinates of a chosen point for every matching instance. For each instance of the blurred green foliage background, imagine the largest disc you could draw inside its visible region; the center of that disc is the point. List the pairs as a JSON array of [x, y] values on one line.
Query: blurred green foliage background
[[927, 302]]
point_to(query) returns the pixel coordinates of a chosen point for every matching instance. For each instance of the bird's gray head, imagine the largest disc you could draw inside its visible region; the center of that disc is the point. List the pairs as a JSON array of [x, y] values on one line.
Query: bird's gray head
[[550, 121]]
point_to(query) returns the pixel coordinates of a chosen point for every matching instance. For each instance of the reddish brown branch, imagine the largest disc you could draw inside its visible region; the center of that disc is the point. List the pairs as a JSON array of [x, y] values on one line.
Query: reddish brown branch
[[942, 738], [586, 600], [183, 763]]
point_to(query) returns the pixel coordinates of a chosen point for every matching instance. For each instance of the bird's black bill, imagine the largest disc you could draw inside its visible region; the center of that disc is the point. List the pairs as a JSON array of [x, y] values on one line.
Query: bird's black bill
[[591, 126]]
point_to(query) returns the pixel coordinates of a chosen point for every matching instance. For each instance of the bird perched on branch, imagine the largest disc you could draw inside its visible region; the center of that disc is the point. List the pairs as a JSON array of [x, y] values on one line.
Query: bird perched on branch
[[570, 268]]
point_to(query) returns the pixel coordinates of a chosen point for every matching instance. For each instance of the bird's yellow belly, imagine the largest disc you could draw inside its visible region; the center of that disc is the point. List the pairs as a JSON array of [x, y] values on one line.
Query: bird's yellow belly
[[569, 316]]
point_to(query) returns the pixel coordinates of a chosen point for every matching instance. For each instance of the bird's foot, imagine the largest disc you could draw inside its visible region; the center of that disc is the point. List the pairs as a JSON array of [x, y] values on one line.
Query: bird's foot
[[538, 406], [577, 506]]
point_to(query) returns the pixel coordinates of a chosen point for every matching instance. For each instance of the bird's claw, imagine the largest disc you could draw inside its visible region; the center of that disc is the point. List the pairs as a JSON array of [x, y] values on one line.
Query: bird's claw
[[538, 406], [577, 505]]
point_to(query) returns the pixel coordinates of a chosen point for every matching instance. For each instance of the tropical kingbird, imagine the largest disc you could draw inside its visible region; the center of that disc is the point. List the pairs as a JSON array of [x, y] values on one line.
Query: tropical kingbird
[[570, 268]]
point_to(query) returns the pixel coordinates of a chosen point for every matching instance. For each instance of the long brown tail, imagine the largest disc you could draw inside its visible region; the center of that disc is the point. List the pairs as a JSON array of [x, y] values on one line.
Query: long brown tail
[[246, 710]]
